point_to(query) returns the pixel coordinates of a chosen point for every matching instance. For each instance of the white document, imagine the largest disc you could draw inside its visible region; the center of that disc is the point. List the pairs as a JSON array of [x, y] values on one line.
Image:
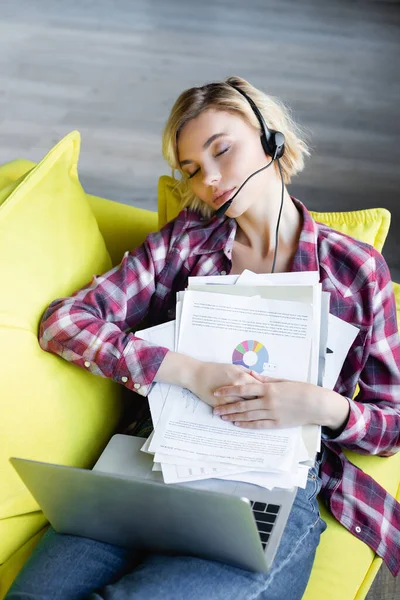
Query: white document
[[178, 474], [211, 279], [215, 320], [145, 447], [223, 328], [166, 335], [299, 286], [221, 324], [195, 472], [341, 336], [179, 461], [178, 313], [272, 480], [177, 469], [323, 339], [187, 428], [156, 402], [162, 335], [292, 278], [182, 463]]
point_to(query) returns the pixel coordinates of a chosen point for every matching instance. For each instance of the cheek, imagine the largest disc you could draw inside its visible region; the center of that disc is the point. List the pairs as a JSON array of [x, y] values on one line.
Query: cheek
[[199, 190]]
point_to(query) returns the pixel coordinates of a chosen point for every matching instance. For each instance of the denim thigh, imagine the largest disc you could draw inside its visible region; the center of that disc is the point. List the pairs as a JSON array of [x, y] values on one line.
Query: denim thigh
[[68, 567]]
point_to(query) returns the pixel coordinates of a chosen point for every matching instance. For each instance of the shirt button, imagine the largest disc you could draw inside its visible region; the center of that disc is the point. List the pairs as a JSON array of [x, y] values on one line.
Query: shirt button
[[223, 273], [358, 529], [137, 386], [87, 364], [124, 379]]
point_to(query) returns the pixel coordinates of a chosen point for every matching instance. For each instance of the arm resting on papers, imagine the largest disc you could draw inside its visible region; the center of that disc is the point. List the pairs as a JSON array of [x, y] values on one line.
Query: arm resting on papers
[[269, 402]]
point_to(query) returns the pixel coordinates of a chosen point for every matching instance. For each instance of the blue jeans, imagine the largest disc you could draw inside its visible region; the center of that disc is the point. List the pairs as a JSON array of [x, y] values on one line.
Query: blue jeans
[[65, 567]]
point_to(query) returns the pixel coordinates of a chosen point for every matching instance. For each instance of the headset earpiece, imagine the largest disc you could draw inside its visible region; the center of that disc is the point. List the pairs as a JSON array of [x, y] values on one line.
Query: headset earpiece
[[273, 142], [277, 144]]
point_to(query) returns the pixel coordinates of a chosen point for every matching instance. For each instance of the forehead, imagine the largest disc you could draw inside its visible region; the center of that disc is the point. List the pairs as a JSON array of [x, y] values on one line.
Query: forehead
[[210, 122]]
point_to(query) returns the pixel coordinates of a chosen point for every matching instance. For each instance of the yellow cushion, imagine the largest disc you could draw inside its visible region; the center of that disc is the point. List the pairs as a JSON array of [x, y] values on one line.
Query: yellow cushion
[[11, 171], [370, 225], [123, 227], [50, 245], [396, 289]]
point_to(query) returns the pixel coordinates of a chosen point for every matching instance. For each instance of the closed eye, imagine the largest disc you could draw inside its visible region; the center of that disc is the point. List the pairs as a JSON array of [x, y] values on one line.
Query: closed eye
[[219, 154]]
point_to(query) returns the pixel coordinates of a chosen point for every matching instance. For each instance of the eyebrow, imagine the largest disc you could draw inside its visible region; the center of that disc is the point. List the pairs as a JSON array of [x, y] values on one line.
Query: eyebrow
[[205, 146]]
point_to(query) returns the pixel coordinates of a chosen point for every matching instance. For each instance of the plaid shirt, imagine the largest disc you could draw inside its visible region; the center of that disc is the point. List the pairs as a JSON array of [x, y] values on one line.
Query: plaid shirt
[[92, 329]]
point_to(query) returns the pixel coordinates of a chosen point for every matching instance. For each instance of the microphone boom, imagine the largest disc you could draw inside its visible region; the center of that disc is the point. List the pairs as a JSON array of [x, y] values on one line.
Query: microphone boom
[[222, 209]]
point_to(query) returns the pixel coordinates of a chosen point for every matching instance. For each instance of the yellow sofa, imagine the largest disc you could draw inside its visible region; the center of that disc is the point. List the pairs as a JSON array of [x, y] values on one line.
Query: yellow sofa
[[53, 239]]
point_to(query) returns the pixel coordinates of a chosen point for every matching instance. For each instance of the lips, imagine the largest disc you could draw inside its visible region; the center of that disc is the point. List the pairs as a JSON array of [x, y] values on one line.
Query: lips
[[220, 199]]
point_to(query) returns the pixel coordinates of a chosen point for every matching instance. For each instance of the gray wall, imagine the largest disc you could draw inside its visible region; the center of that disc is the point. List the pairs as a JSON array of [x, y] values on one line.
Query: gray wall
[[112, 69]]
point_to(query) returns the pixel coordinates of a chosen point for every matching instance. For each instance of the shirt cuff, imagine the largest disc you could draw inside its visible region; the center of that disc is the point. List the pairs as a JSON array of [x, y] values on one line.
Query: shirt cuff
[[138, 365], [352, 431]]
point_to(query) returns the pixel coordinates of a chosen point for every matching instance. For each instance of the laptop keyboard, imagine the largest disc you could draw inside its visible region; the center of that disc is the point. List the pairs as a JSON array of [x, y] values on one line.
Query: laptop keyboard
[[265, 516]]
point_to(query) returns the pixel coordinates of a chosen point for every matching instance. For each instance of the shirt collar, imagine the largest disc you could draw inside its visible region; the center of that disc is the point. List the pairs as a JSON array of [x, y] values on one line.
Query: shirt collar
[[211, 234], [306, 257], [219, 234]]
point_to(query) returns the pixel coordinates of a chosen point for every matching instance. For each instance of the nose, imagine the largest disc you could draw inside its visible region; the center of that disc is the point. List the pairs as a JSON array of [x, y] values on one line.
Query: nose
[[211, 177]]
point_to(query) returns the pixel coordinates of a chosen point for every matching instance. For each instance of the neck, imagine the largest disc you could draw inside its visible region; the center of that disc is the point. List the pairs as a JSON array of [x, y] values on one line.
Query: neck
[[257, 226]]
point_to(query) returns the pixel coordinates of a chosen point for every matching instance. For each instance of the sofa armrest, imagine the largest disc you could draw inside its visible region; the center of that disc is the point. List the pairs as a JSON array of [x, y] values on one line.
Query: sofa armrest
[[123, 227]]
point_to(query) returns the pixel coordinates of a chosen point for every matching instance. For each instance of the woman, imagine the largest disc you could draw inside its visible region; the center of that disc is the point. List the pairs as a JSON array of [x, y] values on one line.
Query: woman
[[213, 139]]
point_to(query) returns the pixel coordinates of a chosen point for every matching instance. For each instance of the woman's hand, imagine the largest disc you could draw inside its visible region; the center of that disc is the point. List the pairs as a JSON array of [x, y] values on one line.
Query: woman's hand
[[268, 403], [207, 377], [202, 378]]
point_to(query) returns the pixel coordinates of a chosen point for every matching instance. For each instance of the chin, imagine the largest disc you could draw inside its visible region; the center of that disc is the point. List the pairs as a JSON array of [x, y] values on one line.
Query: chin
[[238, 207], [234, 212]]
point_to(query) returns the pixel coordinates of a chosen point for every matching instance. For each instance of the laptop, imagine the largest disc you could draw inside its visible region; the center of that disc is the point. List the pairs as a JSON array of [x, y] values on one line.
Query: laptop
[[122, 501]]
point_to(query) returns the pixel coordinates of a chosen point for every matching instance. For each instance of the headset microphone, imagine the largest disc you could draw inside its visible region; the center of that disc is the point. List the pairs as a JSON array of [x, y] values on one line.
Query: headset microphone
[[222, 209]]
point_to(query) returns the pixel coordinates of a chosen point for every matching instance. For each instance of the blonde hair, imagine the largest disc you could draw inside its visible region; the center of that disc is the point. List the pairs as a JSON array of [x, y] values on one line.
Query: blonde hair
[[222, 96]]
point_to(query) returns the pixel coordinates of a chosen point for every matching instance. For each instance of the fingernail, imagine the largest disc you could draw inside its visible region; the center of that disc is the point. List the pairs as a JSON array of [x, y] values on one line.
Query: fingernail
[[217, 412], [217, 393]]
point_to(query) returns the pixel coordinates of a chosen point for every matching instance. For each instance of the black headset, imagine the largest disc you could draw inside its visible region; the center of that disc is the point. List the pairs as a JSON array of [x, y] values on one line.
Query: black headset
[[273, 142]]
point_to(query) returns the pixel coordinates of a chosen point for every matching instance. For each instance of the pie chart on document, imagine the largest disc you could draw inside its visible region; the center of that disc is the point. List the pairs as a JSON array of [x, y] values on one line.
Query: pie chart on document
[[252, 355]]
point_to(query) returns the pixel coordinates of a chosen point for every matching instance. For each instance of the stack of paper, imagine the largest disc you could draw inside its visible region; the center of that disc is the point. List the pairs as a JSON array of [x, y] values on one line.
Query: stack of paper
[[275, 324]]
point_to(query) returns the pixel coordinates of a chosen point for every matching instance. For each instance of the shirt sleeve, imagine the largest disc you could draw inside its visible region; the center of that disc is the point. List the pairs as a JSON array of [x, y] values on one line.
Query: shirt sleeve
[[373, 425], [90, 329]]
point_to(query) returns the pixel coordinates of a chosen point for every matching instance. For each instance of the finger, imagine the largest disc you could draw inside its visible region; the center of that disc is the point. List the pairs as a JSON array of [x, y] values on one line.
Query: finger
[[216, 402], [246, 390], [239, 407], [263, 424], [221, 401], [264, 378], [259, 377], [250, 416]]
